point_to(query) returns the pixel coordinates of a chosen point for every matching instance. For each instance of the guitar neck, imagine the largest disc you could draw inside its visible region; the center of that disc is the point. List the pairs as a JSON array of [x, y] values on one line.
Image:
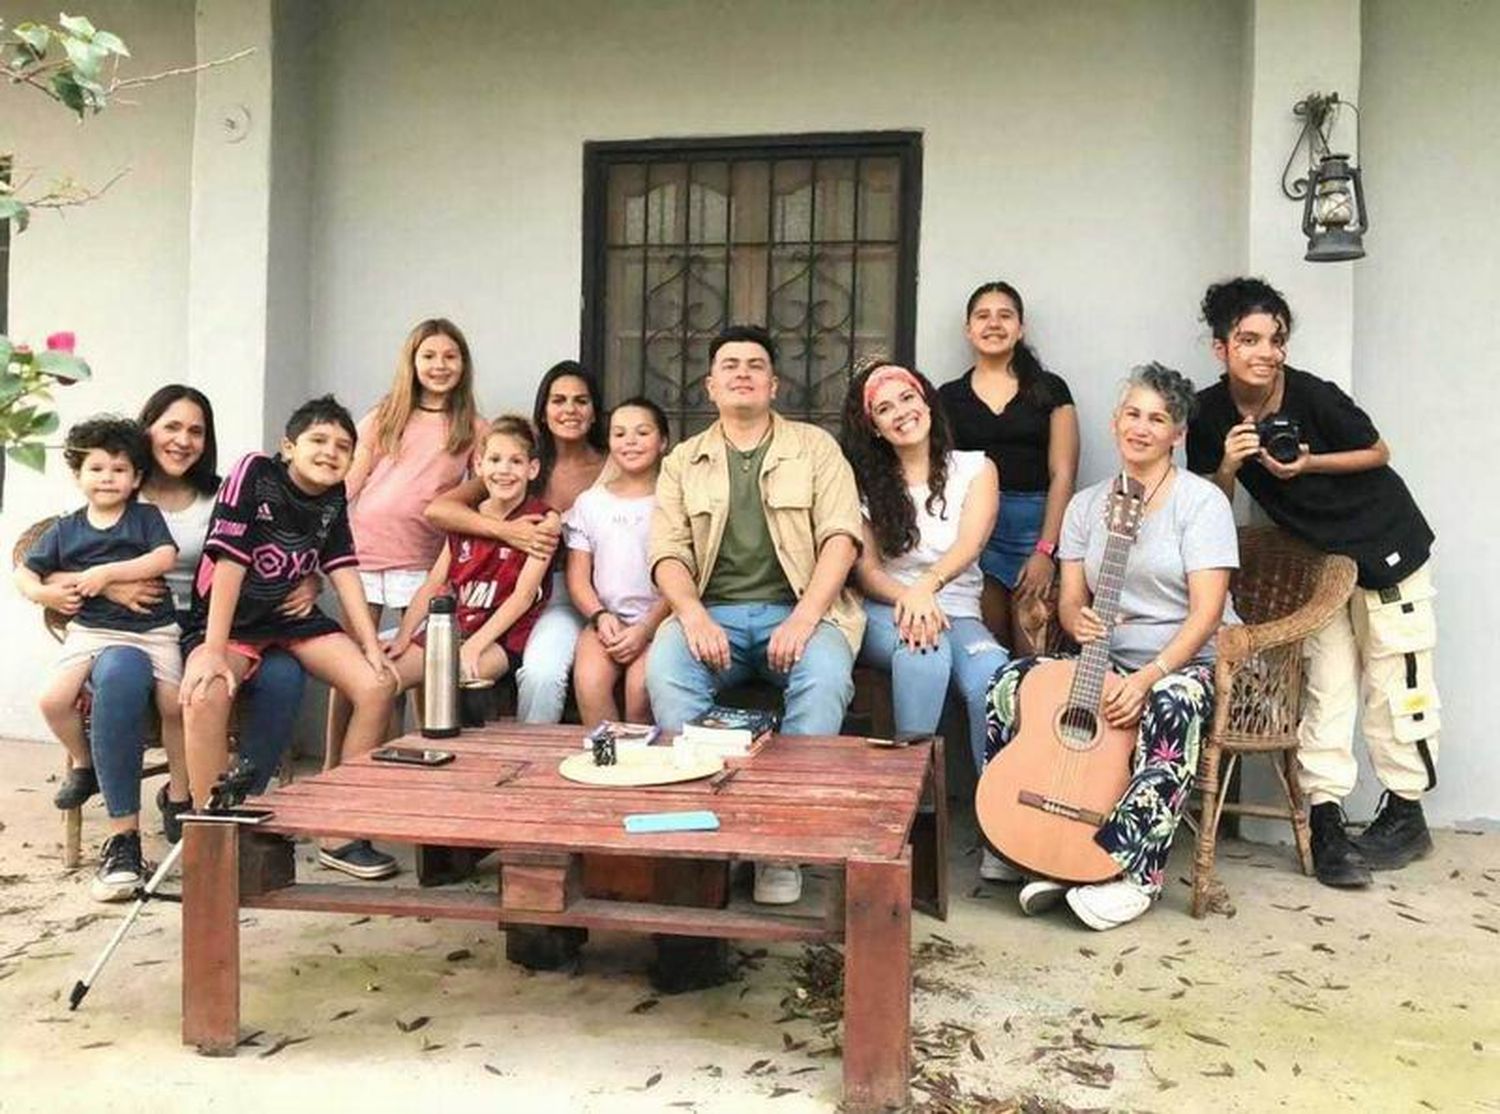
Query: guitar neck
[[1088, 682]]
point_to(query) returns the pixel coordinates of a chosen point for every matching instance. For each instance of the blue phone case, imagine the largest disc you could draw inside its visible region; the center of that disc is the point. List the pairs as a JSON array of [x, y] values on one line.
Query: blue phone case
[[642, 822]]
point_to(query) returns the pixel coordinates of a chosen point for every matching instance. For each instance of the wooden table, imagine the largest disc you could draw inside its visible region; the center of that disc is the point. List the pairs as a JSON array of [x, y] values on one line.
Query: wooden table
[[833, 802]]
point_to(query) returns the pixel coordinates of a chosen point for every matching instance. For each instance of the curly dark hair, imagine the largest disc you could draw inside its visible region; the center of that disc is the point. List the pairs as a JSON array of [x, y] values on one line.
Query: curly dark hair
[[1226, 304], [877, 471], [115, 435]]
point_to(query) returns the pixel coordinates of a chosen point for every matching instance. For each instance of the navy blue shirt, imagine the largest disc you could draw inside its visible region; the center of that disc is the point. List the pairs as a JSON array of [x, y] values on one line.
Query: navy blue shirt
[[73, 544]]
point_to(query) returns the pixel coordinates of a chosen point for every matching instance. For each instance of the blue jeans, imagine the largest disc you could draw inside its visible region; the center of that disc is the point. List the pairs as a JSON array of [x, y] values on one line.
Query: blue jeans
[[967, 657], [123, 691], [817, 689], [1017, 530], [542, 680]]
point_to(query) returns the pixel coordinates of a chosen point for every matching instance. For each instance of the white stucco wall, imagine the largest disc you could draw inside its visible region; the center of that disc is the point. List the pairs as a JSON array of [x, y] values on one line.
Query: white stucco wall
[[1425, 361], [1089, 152], [114, 272]]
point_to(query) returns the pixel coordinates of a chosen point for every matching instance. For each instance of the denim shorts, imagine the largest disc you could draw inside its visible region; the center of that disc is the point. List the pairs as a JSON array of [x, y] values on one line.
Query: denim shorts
[[1017, 530]]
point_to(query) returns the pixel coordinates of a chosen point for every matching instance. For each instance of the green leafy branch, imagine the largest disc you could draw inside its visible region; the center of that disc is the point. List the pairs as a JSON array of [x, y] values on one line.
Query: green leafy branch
[[77, 65], [26, 382]]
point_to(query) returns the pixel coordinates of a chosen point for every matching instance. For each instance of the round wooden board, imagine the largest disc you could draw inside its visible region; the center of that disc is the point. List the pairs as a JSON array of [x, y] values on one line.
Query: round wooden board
[[637, 766]]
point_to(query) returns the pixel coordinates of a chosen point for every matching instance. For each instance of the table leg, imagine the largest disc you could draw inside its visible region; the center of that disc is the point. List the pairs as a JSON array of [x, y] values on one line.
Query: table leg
[[877, 983], [929, 839], [211, 937]]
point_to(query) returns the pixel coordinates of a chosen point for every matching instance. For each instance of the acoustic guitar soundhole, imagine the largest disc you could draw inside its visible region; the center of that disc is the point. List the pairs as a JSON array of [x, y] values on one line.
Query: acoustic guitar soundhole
[[1078, 726]]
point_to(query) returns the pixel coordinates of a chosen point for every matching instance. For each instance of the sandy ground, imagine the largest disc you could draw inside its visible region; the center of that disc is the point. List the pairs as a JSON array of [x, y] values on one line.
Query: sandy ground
[[1306, 999]]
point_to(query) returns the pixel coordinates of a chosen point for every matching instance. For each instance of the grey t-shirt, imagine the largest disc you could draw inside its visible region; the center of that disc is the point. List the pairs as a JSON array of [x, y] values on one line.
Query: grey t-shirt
[[1193, 529]]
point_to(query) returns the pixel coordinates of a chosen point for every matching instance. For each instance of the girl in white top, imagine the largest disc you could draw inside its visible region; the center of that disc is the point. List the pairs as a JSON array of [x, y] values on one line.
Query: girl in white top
[[607, 531], [928, 511]]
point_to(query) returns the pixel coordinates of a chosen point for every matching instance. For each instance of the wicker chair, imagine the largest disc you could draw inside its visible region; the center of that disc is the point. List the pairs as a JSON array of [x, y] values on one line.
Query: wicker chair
[[1284, 591]]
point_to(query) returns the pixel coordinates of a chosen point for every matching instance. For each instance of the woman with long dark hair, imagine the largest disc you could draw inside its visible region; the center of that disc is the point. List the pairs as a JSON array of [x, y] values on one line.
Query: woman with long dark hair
[[568, 416], [181, 478], [1022, 417], [928, 511]]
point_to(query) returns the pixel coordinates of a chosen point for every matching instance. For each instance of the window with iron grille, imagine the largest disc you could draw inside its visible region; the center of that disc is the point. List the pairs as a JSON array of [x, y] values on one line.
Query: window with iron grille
[[814, 237]]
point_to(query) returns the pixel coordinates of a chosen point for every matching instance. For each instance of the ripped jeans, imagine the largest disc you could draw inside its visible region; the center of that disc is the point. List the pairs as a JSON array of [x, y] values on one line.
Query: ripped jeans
[[967, 656]]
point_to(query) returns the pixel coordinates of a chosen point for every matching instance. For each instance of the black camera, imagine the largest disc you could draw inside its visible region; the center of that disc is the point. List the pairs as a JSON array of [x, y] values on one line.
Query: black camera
[[1280, 437]]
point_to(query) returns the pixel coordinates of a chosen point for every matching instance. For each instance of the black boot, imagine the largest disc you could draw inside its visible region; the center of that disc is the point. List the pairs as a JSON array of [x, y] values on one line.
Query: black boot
[[1336, 861], [1398, 834]]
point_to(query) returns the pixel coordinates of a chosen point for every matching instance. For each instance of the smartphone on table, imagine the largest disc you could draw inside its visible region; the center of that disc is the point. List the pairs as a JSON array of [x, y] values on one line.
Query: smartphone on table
[[412, 756]]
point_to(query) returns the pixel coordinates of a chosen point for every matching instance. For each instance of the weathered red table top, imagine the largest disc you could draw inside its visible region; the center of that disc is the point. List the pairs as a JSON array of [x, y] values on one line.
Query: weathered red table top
[[809, 799]]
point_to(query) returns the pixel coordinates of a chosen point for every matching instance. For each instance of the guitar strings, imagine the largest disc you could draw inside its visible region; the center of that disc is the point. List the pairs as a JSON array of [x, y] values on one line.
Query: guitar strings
[[1087, 688]]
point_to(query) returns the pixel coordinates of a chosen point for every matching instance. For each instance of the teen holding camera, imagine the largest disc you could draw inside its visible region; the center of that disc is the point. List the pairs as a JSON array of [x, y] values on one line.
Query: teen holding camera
[[1315, 463]]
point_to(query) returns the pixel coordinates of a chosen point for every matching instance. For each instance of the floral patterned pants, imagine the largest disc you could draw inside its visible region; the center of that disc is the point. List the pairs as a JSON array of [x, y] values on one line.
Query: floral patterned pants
[[1138, 833]]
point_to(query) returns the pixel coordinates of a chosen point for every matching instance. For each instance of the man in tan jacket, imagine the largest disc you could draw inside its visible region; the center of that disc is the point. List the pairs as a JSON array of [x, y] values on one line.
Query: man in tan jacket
[[757, 525]]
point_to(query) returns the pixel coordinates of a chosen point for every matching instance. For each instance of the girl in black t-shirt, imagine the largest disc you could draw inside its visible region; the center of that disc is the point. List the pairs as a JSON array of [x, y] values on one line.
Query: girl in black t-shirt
[[1022, 417]]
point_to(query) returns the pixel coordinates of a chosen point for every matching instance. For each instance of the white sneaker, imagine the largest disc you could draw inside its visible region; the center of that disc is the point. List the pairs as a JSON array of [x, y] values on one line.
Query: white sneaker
[[777, 884], [1040, 894], [992, 868], [1109, 904]]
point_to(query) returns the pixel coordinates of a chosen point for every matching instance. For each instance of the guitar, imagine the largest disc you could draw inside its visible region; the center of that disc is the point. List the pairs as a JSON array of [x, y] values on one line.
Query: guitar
[[1043, 796]]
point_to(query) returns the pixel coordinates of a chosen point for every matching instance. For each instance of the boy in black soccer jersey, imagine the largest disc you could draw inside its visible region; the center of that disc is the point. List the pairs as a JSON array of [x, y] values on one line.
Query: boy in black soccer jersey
[[1315, 463], [276, 522]]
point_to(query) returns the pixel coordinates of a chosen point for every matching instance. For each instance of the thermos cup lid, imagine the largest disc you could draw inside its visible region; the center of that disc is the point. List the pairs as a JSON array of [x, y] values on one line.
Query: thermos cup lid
[[442, 605]]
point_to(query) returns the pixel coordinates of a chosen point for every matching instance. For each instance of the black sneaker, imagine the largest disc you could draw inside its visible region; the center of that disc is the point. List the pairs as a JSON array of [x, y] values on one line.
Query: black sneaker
[[359, 859], [122, 871], [1398, 834], [171, 813], [80, 784], [1336, 861]]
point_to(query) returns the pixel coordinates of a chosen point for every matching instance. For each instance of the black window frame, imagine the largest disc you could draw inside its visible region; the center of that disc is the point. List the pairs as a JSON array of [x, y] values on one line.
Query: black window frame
[[600, 155]]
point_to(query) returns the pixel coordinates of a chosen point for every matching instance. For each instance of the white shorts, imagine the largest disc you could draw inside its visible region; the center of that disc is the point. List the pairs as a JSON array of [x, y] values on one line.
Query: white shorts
[[161, 645], [392, 587]]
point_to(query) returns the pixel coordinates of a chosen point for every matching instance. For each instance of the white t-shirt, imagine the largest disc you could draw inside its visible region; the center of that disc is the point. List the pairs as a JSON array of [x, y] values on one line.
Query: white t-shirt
[[188, 528], [617, 531], [937, 534]]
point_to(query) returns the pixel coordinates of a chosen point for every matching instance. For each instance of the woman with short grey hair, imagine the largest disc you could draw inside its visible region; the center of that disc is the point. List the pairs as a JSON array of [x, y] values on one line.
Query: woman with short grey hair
[[1174, 596]]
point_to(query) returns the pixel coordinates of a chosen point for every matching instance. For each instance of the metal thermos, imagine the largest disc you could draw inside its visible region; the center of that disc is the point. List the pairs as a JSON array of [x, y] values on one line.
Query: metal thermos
[[440, 671]]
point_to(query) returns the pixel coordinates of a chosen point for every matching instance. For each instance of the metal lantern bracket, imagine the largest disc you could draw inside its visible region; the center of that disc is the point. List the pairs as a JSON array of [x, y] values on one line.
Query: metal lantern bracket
[[1318, 113]]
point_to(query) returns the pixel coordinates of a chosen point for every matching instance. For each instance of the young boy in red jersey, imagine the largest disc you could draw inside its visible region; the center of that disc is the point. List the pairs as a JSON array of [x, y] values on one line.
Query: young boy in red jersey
[[499, 590]]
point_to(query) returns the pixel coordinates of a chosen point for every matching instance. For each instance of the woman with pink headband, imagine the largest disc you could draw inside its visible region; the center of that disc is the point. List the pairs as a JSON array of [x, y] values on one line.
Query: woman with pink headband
[[928, 511]]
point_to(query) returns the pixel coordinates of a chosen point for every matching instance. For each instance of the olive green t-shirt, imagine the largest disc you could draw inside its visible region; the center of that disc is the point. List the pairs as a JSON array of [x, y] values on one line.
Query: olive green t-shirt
[[747, 570]]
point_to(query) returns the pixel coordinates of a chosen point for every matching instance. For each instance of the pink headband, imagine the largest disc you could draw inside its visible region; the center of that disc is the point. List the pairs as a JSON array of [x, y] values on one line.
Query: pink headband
[[889, 374]]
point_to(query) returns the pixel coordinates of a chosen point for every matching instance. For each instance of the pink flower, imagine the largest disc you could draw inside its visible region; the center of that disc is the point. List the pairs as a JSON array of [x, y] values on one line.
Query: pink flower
[[61, 342]]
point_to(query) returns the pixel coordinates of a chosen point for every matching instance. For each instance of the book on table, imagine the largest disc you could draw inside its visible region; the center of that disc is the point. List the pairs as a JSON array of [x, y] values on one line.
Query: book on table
[[731, 731]]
